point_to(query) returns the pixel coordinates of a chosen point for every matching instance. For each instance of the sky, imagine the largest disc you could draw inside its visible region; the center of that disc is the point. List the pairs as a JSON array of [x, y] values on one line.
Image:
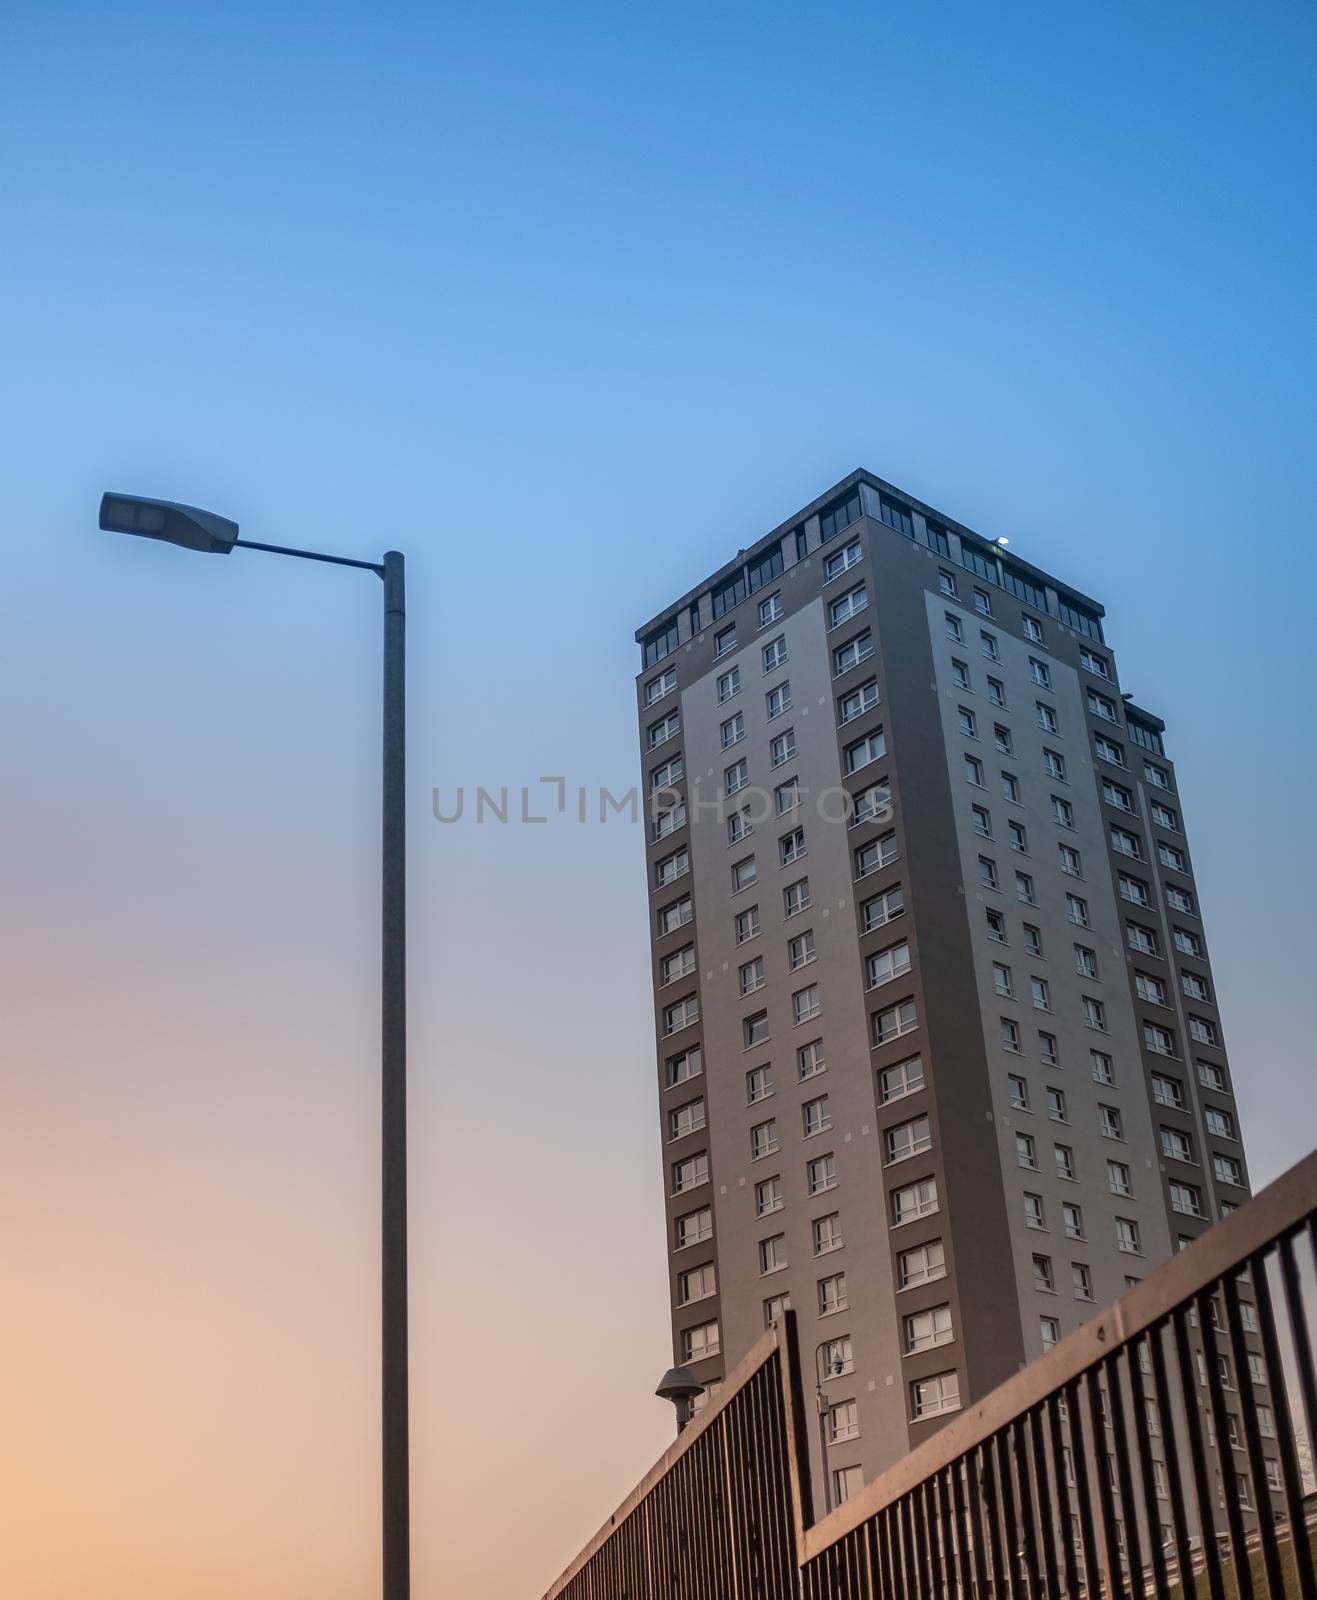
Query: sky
[[569, 303]]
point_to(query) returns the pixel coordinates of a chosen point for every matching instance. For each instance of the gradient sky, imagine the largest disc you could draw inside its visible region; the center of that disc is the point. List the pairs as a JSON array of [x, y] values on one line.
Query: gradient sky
[[569, 303]]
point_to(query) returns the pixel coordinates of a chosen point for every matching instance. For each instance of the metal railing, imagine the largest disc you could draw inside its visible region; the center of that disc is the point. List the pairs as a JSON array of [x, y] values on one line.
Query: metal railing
[[1163, 1449]]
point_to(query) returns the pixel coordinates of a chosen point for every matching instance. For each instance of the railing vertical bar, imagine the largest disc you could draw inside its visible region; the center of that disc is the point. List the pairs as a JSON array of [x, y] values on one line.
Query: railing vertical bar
[[973, 1523], [1171, 1451], [886, 1564], [1046, 1525], [951, 1563], [1102, 1469], [1224, 1453], [1083, 1496], [910, 1545], [1064, 1518], [1015, 1442], [1120, 1441], [1286, 1434], [1298, 1316], [1147, 1478], [988, 1488], [1248, 1417], [1197, 1455]]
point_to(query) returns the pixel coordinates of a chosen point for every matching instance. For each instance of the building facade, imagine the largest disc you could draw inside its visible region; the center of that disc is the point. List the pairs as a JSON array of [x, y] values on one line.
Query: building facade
[[939, 1059]]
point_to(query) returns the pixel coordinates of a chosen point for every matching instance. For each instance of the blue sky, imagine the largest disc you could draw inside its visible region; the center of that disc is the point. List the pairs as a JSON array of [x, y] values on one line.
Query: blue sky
[[569, 302]]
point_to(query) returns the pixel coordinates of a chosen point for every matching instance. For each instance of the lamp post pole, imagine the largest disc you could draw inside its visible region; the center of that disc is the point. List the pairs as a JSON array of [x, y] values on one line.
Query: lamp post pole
[[194, 529]]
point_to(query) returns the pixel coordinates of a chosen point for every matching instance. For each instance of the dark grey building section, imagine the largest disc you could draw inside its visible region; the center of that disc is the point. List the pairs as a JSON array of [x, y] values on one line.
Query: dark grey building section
[[939, 1059]]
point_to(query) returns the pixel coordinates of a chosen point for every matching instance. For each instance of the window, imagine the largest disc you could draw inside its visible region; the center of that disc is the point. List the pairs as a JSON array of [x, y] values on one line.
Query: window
[[902, 1079], [1010, 787], [795, 897], [1201, 1031], [953, 628], [857, 701], [1126, 843], [739, 826], [771, 609], [775, 1307], [850, 654], [1082, 1279], [1046, 717], [1063, 1161], [836, 517], [768, 1196], [914, 1200], [1194, 986], [1056, 1105], [1010, 1036], [1041, 994], [924, 1329], [836, 1358], [821, 1174], [1033, 629], [983, 602], [1167, 1091], [846, 1481], [1001, 979], [1164, 816], [758, 1084], [1047, 1049], [774, 653], [1134, 890], [884, 965], [1073, 1219], [924, 1263], [736, 777], [1157, 776], [696, 1283], [677, 965], [786, 797], [665, 776], [805, 1004], [683, 1066], [1049, 1329], [929, 1396], [996, 693], [996, 925], [1103, 1068], [1094, 663], [974, 771], [681, 1013], [729, 684], [1070, 862], [778, 700], [733, 730], [832, 1294], [754, 1030], [1024, 889], [724, 641], [658, 687], [843, 1421], [1002, 739], [690, 1172], [907, 1139], [744, 875], [1142, 939], [1118, 1178], [662, 642], [1055, 765], [790, 847], [1040, 673], [801, 951], [1043, 1279], [988, 645], [1151, 989], [1177, 1146], [816, 1116], [1149, 738], [1095, 1013], [698, 1344], [968, 724], [1018, 838], [872, 804], [685, 1119], [847, 605], [1033, 1212], [783, 747], [1101, 706], [729, 594], [676, 915], [694, 1227], [988, 872], [861, 751], [1161, 1041], [841, 561], [826, 1233], [1026, 1155], [1211, 1076], [664, 729], [895, 1020], [1179, 899], [960, 674], [773, 1254], [1062, 812], [1109, 750], [810, 1060], [1110, 1124], [882, 908], [746, 924], [1228, 1169], [1219, 1122]]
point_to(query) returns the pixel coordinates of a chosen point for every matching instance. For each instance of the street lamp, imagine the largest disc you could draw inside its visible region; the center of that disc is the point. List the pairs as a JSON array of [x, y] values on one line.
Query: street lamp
[[680, 1385], [203, 530]]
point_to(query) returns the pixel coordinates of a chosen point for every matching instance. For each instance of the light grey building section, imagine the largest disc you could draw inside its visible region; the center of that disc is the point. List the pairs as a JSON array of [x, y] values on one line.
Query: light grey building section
[[939, 1063]]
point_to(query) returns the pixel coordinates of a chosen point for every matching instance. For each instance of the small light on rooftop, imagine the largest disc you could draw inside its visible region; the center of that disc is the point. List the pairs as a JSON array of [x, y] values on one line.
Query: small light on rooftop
[[1002, 540]]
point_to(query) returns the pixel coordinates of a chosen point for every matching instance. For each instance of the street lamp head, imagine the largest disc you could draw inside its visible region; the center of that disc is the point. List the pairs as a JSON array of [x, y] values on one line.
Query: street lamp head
[[678, 1384], [167, 520]]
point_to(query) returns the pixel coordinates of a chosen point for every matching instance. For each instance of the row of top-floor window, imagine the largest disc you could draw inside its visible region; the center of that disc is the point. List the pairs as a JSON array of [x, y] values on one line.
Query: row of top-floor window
[[985, 562]]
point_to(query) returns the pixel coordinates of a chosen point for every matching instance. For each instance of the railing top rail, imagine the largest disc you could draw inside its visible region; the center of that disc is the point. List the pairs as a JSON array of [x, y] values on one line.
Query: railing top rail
[[1280, 1208]]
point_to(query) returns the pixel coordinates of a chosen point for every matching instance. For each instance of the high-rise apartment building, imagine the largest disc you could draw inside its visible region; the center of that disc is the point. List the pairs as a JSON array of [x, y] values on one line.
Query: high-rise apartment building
[[940, 1064]]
